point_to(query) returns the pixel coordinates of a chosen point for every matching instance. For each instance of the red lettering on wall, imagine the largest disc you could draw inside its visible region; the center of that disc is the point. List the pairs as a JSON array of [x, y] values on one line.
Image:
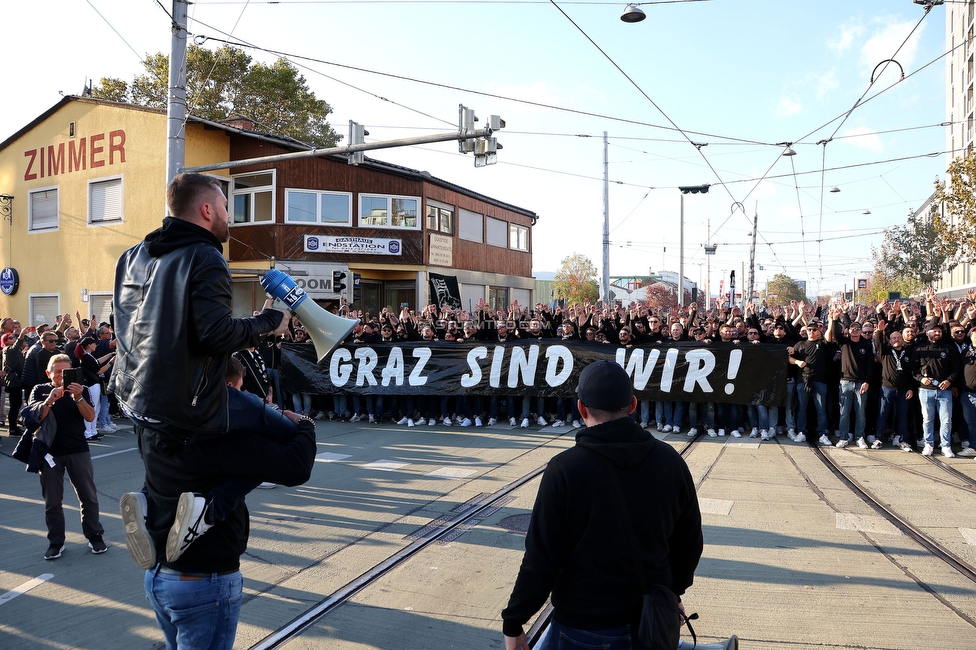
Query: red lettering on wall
[[78, 160], [95, 150], [41, 166], [55, 163], [28, 174], [114, 146]]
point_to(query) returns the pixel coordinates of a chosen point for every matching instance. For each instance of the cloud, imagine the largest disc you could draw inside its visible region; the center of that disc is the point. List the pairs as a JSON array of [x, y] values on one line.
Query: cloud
[[825, 83], [863, 138], [789, 105], [846, 34], [886, 39]]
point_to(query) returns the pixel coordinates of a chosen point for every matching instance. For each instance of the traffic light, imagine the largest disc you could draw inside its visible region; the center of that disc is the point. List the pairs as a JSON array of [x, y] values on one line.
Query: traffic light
[[357, 135], [338, 286], [357, 289]]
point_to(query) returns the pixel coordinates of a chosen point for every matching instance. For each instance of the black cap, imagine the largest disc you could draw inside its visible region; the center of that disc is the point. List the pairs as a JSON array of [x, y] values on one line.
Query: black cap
[[88, 340], [606, 386]]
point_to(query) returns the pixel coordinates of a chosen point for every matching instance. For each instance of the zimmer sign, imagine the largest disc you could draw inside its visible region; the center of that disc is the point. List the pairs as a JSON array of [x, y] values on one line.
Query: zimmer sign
[[354, 245], [748, 374]]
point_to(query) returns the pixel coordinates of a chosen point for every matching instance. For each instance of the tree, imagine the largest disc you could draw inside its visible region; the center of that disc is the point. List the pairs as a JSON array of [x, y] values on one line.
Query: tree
[[912, 256], [576, 279], [226, 82], [956, 228], [785, 288]]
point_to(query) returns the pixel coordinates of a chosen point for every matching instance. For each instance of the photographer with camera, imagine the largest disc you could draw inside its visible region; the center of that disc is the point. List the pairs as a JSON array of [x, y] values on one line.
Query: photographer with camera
[[62, 407]]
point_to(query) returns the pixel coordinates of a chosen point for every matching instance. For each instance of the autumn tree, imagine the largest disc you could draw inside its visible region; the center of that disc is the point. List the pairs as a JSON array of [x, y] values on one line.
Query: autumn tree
[[785, 288], [956, 227], [912, 256], [225, 82], [576, 279]]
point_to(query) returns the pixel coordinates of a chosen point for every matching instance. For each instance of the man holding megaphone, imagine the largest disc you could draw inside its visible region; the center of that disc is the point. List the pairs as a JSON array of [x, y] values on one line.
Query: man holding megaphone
[[175, 333]]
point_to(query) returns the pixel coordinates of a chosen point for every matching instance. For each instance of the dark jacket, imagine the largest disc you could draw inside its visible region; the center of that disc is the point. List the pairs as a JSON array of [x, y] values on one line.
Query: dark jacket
[[577, 547], [936, 361], [175, 330]]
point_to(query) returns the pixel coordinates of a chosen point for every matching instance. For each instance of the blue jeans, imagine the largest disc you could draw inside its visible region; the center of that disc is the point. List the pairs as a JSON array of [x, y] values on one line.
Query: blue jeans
[[566, 638], [936, 401], [892, 398], [196, 614], [850, 395], [818, 390], [788, 403], [968, 401]]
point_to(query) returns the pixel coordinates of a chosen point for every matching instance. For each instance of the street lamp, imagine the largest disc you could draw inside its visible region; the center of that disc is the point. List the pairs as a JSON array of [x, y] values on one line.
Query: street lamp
[[632, 14], [685, 189]]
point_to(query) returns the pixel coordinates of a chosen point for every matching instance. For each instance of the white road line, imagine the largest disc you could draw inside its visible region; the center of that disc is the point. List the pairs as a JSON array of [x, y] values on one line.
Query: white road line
[[115, 453], [329, 457], [24, 588], [451, 472], [865, 523], [385, 465], [969, 534]]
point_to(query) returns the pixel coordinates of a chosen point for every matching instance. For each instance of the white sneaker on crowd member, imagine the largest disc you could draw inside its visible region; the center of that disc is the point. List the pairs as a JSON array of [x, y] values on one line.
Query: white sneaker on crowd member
[[421, 422], [765, 435], [693, 431], [403, 421], [541, 421], [947, 452], [927, 450], [721, 433], [754, 433], [862, 443], [643, 425], [666, 428], [525, 423], [447, 422], [477, 422], [711, 433], [411, 423], [825, 441], [800, 437], [492, 422], [512, 422], [267, 486], [968, 452], [660, 427], [676, 429], [877, 444], [372, 419], [558, 423], [843, 442], [466, 422], [791, 433], [736, 433], [577, 424], [355, 418], [432, 421], [906, 447], [896, 441]]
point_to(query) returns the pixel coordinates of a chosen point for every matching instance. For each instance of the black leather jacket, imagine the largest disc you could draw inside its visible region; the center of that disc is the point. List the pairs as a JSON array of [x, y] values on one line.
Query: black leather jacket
[[175, 329]]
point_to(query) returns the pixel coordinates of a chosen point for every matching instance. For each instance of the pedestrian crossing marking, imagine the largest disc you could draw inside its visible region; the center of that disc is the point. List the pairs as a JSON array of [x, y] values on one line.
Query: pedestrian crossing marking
[[969, 534], [865, 523], [384, 465], [715, 506], [329, 457], [451, 472], [24, 588]]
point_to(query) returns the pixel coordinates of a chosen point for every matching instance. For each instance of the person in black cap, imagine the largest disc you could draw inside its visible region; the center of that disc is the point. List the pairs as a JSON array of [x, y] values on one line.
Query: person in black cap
[[578, 548]]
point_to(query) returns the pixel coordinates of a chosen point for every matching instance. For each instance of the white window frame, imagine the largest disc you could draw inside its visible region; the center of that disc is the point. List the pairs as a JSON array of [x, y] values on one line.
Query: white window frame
[[33, 318], [251, 191], [57, 210], [420, 216], [318, 207], [521, 234], [115, 220]]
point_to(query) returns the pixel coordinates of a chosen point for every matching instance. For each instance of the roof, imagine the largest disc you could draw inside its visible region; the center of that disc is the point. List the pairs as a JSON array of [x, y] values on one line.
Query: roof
[[281, 141]]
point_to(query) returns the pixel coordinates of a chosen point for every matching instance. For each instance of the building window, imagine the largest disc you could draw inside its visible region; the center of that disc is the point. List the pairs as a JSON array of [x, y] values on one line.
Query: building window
[[105, 201], [100, 306], [42, 210], [518, 237], [388, 211], [471, 226], [309, 206], [440, 218], [253, 198], [44, 309], [497, 232]]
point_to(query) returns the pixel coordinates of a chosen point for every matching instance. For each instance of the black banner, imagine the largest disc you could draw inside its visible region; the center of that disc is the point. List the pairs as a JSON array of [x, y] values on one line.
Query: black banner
[[683, 372], [444, 290]]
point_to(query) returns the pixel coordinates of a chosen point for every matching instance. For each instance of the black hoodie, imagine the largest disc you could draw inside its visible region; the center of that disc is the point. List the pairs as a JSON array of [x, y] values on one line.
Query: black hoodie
[[577, 547]]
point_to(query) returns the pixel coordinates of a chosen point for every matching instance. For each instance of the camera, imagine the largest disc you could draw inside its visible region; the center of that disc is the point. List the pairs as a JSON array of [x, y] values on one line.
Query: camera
[[72, 376]]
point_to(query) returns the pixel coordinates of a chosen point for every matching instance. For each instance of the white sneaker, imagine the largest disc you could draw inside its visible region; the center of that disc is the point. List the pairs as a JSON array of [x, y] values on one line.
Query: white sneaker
[[558, 423], [877, 444], [643, 425], [525, 423], [906, 447], [754, 433], [355, 418], [800, 437], [577, 424], [862, 443], [968, 452], [447, 422], [791, 433], [432, 421], [477, 422], [421, 422], [666, 428], [676, 429], [137, 540], [896, 441], [947, 452], [824, 441], [372, 419], [736, 434], [721, 433], [411, 423], [693, 431], [927, 450], [403, 421], [492, 422], [466, 422], [511, 422], [843, 442], [188, 525], [660, 427], [711, 433], [765, 435], [541, 421], [267, 486]]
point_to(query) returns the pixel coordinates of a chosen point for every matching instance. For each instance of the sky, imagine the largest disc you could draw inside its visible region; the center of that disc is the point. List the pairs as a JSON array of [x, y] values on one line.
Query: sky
[[699, 92]]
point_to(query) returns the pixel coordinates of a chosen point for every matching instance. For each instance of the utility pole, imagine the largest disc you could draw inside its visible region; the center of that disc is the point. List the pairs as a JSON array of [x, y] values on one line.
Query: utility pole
[[176, 94], [606, 222], [752, 255]]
